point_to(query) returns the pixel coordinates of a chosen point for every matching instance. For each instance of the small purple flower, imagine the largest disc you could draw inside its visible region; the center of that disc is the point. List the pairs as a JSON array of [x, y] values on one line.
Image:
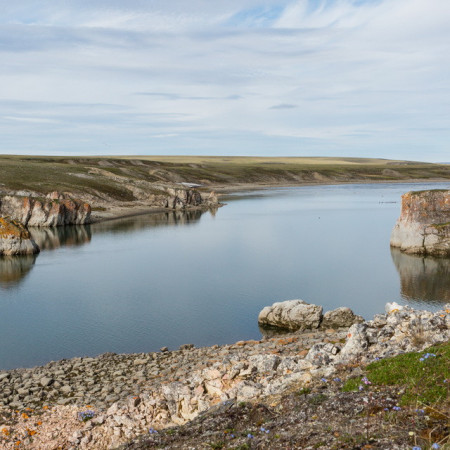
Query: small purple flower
[[435, 446], [421, 359], [262, 429], [420, 412], [396, 408], [152, 431], [250, 436], [323, 379], [84, 416], [365, 380], [377, 358], [337, 380], [416, 448], [386, 409], [232, 435], [360, 387]]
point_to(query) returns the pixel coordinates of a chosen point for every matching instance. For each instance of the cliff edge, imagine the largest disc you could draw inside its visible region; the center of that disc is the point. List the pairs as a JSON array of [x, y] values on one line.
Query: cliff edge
[[15, 239], [424, 223]]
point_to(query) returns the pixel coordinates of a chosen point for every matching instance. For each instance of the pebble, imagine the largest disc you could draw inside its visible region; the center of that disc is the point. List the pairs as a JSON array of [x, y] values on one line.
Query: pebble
[[130, 392]]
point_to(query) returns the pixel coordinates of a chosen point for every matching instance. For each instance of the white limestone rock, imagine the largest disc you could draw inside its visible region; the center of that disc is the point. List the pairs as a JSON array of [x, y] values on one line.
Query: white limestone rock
[[291, 315], [342, 317]]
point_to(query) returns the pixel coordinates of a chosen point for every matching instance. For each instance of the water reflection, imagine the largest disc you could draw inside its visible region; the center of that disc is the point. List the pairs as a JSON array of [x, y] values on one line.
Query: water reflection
[[423, 278], [13, 269], [136, 223], [53, 238]]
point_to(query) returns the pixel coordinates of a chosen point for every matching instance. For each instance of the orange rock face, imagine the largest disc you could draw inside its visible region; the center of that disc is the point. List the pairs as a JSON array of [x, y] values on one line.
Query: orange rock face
[[426, 207], [12, 229], [424, 223], [15, 239], [54, 210]]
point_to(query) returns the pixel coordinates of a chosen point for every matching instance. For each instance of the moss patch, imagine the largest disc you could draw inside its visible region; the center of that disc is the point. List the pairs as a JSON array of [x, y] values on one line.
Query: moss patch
[[424, 376]]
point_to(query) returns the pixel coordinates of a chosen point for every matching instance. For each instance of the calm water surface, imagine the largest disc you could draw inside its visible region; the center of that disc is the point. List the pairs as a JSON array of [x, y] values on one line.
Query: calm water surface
[[137, 284]]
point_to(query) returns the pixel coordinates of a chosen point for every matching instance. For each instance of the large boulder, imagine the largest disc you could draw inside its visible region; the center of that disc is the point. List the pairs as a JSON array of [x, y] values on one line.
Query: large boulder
[[53, 210], [342, 317], [424, 223], [15, 239], [291, 315]]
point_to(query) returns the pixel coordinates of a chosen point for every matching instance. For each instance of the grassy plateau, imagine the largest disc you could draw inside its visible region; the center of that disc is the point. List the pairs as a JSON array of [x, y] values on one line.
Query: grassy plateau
[[116, 176]]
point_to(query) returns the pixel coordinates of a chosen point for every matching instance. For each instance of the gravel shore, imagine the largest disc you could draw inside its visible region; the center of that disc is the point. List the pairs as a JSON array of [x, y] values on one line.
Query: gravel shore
[[106, 401]]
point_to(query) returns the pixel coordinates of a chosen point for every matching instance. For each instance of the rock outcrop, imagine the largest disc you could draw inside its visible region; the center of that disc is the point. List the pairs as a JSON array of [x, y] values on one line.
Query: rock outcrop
[[15, 239], [424, 223], [291, 315], [51, 211], [296, 315]]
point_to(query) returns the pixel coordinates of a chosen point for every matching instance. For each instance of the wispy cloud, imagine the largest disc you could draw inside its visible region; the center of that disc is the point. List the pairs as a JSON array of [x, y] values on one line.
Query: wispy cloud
[[283, 106], [356, 77]]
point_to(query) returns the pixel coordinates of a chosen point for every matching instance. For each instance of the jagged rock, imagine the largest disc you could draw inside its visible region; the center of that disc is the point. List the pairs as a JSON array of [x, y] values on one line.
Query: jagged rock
[[54, 210], [15, 239], [357, 342], [322, 354], [340, 317], [424, 223], [181, 198], [292, 315]]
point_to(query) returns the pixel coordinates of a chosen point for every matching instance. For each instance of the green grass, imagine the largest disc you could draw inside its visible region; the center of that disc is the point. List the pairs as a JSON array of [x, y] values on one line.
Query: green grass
[[431, 190], [423, 381]]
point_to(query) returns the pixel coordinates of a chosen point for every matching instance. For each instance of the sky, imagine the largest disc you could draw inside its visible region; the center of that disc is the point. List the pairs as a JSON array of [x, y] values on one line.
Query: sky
[[367, 78]]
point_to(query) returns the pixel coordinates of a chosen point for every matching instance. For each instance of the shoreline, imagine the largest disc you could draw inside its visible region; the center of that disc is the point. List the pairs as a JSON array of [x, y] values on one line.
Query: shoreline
[[223, 190], [125, 394]]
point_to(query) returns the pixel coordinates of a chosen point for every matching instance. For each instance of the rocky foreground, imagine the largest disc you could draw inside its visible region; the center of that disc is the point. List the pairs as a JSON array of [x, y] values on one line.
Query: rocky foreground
[[103, 402]]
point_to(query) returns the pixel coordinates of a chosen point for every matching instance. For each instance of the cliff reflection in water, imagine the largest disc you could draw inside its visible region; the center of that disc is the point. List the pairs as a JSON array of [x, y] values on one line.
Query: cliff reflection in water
[[14, 268], [50, 238], [423, 278], [136, 223]]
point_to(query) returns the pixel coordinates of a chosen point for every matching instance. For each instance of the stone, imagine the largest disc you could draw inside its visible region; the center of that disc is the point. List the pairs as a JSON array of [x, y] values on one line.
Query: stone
[[322, 354], [340, 318], [424, 223], [292, 315], [66, 389], [46, 381], [392, 307], [187, 347], [15, 239], [54, 210], [357, 342]]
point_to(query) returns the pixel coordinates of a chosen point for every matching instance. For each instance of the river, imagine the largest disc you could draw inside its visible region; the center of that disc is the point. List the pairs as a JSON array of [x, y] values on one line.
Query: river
[[137, 284]]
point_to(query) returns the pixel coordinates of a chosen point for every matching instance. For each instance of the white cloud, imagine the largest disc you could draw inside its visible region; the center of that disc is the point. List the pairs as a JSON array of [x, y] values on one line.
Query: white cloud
[[351, 77]]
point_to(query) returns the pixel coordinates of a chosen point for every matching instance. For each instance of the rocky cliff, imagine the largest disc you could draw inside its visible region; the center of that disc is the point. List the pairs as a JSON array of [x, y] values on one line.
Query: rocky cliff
[[424, 223], [15, 239], [53, 210]]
